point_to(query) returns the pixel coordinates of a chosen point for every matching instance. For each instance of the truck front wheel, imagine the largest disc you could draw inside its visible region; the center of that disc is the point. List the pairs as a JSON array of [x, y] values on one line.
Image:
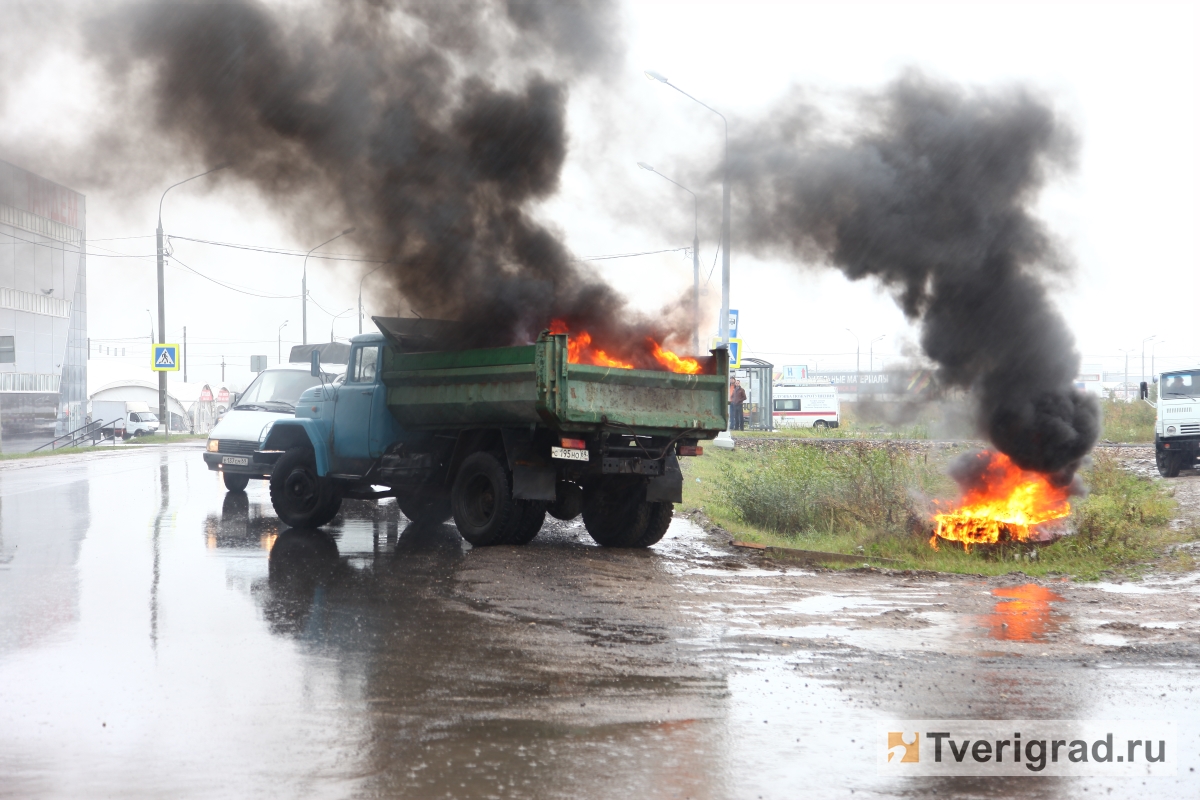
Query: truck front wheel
[[301, 497], [1167, 463], [484, 509], [615, 514]]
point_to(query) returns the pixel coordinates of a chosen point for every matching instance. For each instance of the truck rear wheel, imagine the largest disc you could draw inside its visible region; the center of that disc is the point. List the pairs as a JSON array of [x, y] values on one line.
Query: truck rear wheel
[[1168, 464], [431, 507], [301, 497], [616, 515], [569, 504], [484, 509], [533, 516]]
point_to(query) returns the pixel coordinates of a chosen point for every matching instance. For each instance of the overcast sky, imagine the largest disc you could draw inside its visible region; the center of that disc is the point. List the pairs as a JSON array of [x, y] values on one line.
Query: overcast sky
[[1124, 75]]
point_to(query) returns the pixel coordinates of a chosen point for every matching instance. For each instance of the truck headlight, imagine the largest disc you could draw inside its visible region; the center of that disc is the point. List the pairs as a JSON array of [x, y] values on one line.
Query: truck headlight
[[1170, 430], [212, 445]]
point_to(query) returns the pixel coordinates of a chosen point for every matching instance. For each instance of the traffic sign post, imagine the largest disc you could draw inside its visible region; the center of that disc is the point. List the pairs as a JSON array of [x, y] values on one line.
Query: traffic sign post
[[166, 358]]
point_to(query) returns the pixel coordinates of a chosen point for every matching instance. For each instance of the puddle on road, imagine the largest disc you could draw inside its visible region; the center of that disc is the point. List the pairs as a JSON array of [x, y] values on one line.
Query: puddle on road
[[1023, 613]]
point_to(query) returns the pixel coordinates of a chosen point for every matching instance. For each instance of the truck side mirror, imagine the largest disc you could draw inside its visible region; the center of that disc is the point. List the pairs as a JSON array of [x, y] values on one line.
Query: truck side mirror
[[1144, 390], [315, 363]]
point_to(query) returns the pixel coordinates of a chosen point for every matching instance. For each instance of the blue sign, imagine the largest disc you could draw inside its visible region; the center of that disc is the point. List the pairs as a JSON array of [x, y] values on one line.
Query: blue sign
[[733, 323], [166, 358]]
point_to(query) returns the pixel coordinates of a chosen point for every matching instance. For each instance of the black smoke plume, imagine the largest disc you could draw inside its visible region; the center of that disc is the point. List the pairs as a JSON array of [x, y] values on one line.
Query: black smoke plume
[[433, 127], [931, 194]]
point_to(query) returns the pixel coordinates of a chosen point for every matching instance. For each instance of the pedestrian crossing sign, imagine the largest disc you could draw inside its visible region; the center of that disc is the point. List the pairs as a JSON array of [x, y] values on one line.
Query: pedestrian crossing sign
[[735, 351], [166, 358]]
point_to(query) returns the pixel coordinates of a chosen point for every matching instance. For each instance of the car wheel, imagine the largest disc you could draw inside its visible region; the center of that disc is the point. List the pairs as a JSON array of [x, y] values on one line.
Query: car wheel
[[235, 482]]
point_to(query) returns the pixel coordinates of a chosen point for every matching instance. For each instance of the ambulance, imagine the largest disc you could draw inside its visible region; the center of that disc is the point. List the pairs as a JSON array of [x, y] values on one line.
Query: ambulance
[[805, 406]]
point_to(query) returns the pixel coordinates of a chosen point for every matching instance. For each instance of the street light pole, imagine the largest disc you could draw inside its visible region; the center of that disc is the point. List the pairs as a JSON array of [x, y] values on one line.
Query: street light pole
[[871, 352], [1148, 338], [162, 305], [360, 285], [1125, 387], [304, 286], [335, 319], [695, 257], [1154, 344], [724, 323], [279, 342], [857, 353]]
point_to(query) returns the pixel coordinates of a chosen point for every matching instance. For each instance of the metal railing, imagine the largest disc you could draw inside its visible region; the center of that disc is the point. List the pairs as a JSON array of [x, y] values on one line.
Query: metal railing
[[94, 432]]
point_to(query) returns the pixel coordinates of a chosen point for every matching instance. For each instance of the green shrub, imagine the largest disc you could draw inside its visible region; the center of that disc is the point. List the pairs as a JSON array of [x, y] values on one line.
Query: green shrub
[[795, 490], [1127, 422]]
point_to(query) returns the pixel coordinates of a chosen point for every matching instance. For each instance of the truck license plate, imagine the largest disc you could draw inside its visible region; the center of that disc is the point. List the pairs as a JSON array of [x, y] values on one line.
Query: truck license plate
[[569, 454], [237, 461]]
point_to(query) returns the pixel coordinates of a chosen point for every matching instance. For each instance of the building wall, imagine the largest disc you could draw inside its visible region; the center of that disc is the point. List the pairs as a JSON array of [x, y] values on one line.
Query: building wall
[[43, 306]]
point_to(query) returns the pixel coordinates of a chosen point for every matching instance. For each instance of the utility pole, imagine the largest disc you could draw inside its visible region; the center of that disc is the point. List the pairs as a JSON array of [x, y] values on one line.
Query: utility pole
[[222, 369], [279, 343], [163, 413], [1148, 338]]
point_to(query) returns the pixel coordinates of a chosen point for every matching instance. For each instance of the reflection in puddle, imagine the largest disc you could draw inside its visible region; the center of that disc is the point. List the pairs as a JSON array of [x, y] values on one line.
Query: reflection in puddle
[[1023, 613]]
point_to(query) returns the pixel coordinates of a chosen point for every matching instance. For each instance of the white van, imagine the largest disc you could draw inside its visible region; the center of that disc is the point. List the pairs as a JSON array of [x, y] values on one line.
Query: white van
[[800, 406], [125, 418], [272, 395]]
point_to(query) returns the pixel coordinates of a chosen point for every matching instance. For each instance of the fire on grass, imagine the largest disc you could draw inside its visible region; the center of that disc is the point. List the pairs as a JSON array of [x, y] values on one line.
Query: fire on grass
[[1003, 503], [581, 350]]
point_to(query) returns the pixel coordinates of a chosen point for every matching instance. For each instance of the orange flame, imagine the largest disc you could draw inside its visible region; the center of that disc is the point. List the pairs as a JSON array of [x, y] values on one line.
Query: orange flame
[[673, 362], [581, 351], [1008, 501]]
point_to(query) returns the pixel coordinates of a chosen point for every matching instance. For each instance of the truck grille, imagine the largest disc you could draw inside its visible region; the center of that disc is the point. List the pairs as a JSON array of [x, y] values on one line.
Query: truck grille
[[236, 446], [1186, 429]]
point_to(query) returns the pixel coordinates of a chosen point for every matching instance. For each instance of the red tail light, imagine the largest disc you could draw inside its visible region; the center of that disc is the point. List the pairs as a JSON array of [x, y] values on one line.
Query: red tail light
[[690, 450], [574, 444]]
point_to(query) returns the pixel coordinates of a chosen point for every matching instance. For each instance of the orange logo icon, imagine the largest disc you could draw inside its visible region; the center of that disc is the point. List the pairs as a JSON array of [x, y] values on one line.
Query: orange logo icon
[[898, 745]]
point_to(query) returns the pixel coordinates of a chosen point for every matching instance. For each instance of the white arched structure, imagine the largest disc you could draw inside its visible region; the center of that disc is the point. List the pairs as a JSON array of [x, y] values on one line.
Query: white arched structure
[[145, 392]]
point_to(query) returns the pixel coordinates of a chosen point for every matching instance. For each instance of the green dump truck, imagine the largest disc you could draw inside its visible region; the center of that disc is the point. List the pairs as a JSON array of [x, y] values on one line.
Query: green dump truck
[[494, 437]]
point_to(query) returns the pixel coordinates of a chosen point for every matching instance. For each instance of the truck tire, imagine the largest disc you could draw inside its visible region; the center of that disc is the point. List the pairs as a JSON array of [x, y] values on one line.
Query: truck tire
[[301, 498], [569, 504], [533, 517], [484, 509], [234, 482], [1168, 464], [616, 514], [430, 507]]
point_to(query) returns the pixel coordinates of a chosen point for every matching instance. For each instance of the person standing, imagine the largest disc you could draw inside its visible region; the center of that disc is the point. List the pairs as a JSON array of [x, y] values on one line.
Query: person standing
[[737, 396]]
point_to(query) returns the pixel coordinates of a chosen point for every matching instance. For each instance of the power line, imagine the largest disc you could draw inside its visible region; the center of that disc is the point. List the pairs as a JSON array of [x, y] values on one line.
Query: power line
[[233, 288]]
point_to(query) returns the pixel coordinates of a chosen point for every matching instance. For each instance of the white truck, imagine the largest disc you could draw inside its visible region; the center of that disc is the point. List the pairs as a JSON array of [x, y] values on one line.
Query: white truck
[[125, 418], [1177, 424], [799, 405]]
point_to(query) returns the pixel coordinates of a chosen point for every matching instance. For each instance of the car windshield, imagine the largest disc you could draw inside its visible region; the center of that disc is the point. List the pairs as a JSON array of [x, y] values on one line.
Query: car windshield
[[277, 390], [1181, 384]]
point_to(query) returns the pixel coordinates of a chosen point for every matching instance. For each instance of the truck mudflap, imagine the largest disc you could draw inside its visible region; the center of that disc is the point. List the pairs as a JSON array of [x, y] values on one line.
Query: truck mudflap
[[668, 487]]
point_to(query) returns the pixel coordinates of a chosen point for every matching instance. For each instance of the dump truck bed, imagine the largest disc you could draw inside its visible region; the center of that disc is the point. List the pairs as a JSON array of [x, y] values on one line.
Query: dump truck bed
[[535, 385]]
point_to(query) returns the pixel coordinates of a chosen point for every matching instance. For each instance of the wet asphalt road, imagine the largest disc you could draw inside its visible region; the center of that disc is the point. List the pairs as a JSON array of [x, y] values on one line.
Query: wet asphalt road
[[160, 638]]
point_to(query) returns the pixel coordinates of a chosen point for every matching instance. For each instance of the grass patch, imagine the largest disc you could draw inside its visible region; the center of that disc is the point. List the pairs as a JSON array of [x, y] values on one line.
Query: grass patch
[[62, 451], [1127, 422], [863, 500], [175, 437]]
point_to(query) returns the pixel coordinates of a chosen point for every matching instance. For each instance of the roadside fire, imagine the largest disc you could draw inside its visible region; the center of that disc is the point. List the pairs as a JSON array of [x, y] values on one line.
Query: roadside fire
[[580, 350], [1000, 502]]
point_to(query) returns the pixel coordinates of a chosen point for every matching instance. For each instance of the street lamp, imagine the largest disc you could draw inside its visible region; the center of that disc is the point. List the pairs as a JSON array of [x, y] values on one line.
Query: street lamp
[[871, 352], [335, 319], [857, 350], [1125, 387], [695, 256], [162, 305], [304, 287], [279, 343], [723, 331], [360, 285], [1154, 344], [1148, 338]]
